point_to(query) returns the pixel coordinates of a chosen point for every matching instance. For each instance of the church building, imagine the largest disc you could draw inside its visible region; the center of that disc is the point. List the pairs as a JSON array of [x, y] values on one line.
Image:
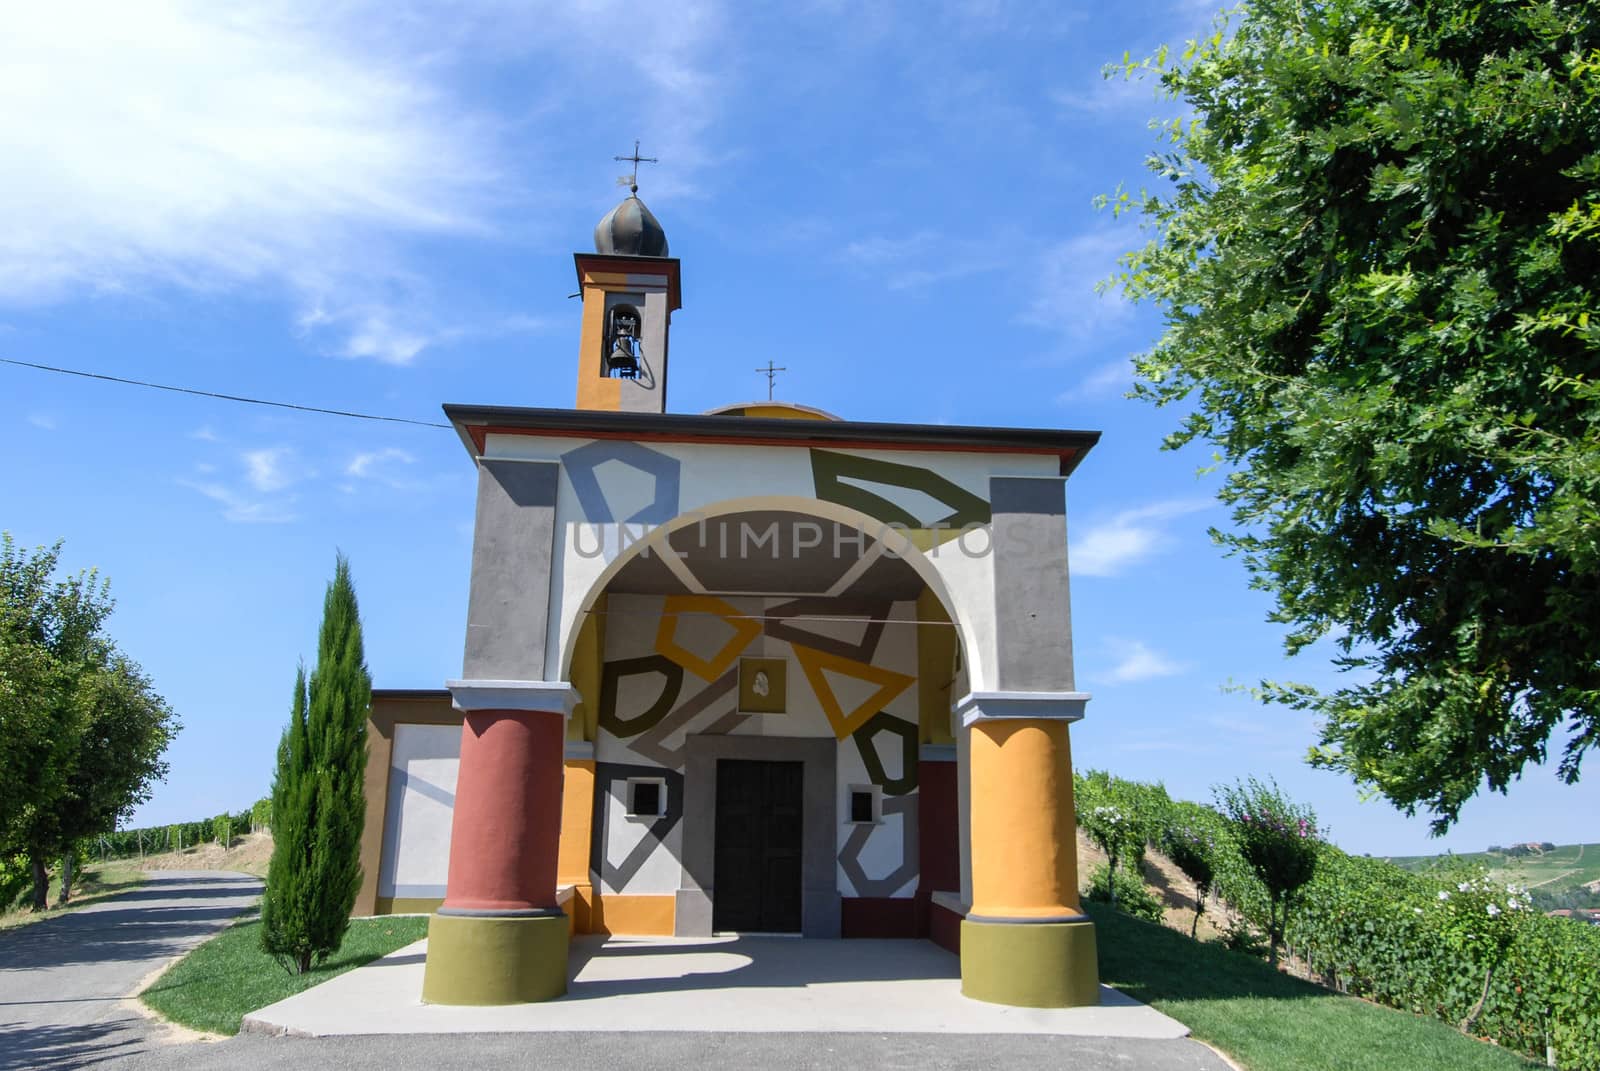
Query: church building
[[758, 670]]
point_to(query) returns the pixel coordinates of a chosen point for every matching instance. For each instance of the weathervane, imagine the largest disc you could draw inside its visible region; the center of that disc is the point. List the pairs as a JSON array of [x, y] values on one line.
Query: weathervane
[[632, 179], [771, 372]]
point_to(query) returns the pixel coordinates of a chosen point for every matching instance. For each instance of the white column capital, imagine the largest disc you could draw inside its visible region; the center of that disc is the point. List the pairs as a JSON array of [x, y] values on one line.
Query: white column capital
[[997, 706], [556, 697]]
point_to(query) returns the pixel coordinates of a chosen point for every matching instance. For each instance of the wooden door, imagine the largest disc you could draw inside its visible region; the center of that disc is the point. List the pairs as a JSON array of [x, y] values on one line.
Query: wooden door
[[758, 828]]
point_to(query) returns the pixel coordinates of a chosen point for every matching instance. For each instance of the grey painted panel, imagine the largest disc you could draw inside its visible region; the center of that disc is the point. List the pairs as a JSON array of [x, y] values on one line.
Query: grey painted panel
[[1033, 615], [511, 549], [819, 898]]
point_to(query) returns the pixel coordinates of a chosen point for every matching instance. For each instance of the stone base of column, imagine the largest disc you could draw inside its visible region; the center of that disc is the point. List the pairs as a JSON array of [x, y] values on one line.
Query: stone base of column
[[495, 959], [1030, 964]]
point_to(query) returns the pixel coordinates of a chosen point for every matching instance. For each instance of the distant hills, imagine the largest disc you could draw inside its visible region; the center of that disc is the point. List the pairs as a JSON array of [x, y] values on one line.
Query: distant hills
[[1557, 874]]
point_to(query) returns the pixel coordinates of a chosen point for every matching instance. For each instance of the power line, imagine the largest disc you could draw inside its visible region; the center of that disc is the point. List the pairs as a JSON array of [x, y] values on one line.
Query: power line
[[225, 397]]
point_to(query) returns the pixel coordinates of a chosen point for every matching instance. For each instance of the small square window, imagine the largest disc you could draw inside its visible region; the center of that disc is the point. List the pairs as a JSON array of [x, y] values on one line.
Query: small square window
[[865, 807], [647, 797]]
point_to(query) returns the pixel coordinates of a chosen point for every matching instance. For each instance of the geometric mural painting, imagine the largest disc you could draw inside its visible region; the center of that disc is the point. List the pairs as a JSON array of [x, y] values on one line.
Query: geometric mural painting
[[830, 470], [890, 883], [817, 664], [611, 674], [720, 692], [611, 779], [866, 744], [871, 613], [744, 630], [582, 464]]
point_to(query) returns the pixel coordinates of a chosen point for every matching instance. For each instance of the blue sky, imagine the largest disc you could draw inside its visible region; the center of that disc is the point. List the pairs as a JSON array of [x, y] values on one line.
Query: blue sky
[[373, 207]]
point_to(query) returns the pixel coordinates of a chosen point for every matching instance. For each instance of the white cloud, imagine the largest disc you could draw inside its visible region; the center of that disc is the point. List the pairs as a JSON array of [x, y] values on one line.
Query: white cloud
[[304, 150], [42, 420], [1114, 377], [204, 434], [267, 469], [242, 509], [1064, 296], [1133, 662], [1114, 95], [907, 263], [1106, 548], [370, 464]]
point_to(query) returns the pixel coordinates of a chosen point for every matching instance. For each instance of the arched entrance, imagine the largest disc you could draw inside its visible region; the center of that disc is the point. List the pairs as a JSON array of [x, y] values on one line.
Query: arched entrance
[[764, 695]]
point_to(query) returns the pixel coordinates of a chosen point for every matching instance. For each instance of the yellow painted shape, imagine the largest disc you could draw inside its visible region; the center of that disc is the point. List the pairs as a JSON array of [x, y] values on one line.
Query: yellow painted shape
[[635, 916], [595, 391], [577, 815], [1024, 834], [744, 630], [936, 669], [890, 684], [585, 672], [784, 412]]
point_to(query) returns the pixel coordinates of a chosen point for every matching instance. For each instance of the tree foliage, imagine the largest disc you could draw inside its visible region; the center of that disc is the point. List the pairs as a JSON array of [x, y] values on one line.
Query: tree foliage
[[1376, 249], [82, 729], [1278, 839], [318, 805]]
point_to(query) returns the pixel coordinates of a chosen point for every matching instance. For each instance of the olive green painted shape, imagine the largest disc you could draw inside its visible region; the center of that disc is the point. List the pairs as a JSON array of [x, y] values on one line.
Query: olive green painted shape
[[1030, 964], [481, 961]]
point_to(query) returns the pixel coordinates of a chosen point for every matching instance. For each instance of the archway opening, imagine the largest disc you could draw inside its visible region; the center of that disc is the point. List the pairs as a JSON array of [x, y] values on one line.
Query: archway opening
[[765, 692]]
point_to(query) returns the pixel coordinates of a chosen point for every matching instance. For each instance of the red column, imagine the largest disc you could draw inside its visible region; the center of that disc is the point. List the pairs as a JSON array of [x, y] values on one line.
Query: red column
[[506, 830]]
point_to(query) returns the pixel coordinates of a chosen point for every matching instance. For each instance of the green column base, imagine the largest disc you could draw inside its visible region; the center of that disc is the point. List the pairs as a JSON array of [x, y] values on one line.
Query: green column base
[[495, 960], [1030, 964]]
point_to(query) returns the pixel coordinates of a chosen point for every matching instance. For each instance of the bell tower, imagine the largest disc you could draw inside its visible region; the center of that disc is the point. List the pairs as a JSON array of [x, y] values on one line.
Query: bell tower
[[630, 290]]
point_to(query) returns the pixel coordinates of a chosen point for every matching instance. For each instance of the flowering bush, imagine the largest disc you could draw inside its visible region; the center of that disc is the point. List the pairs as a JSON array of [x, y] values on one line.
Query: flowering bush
[[1479, 918], [1190, 841], [1279, 841]]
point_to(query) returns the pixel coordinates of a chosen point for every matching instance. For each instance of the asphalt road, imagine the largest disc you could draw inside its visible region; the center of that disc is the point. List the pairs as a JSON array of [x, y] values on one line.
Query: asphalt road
[[639, 1051], [64, 982]]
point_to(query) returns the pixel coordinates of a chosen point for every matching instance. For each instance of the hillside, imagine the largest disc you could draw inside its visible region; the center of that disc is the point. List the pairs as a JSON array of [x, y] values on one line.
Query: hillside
[[1566, 867]]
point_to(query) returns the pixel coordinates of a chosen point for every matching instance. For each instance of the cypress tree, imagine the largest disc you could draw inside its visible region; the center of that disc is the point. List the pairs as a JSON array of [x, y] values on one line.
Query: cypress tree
[[318, 805]]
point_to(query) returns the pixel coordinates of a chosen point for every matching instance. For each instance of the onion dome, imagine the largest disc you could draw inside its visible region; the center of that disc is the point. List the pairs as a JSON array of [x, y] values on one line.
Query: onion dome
[[630, 230]]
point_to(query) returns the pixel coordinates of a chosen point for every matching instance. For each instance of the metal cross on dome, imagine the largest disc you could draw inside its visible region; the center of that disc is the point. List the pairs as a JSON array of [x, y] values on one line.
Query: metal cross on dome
[[771, 372], [632, 178]]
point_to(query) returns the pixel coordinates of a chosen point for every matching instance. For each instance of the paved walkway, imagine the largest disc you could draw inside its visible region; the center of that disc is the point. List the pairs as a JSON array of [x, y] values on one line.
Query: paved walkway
[[674, 1051], [710, 985], [63, 981]]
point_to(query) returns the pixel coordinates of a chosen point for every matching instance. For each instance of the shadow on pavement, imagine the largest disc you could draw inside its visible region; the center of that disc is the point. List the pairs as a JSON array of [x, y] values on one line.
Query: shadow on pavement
[[48, 1048]]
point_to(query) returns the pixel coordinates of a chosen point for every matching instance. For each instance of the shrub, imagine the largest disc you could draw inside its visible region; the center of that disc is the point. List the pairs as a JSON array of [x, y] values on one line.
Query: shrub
[[1278, 839], [1189, 839], [222, 831], [1124, 891]]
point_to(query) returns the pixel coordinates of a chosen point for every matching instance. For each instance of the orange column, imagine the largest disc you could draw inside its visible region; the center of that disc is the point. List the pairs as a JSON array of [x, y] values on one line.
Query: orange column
[[506, 829], [1024, 834]]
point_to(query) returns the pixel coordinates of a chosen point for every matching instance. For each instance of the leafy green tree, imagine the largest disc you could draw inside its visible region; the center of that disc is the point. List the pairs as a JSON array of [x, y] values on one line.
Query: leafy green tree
[[82, 730], [318, 805], [1377, 249], [118, 757], [1279, 840]]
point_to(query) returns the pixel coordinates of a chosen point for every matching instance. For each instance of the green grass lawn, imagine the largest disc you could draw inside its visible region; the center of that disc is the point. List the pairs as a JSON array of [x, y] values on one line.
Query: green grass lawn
[[95, 883], [223, 980], [1268, 1021]]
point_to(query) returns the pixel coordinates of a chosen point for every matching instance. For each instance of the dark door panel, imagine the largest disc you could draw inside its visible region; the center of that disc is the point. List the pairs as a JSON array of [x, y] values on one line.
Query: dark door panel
[[758, 835]]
